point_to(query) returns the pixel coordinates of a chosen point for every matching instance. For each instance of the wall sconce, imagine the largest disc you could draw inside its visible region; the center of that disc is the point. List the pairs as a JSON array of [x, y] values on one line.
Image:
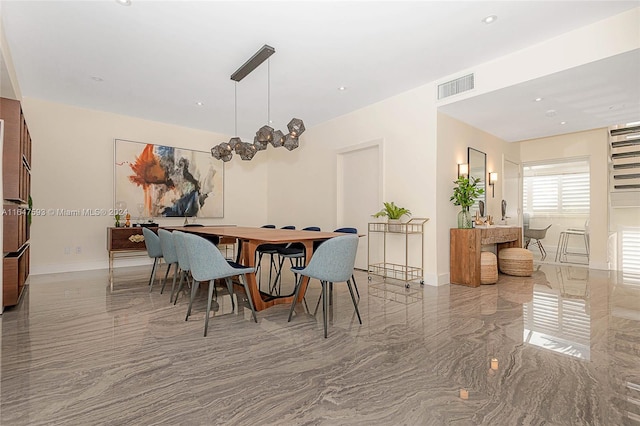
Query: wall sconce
[[463, 169], [493, 178]]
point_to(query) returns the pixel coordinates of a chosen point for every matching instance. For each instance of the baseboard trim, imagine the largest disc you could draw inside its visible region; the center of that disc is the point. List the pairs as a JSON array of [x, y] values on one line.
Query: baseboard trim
[[603, 266], [58, 268]]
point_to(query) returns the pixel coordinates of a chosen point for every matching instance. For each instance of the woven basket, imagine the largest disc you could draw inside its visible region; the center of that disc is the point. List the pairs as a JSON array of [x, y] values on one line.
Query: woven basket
[[488, 268], [516, 261]]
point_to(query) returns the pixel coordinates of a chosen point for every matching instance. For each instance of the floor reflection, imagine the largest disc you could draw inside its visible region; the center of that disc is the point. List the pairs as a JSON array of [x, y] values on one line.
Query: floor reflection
[[561, 347], [557, 318]]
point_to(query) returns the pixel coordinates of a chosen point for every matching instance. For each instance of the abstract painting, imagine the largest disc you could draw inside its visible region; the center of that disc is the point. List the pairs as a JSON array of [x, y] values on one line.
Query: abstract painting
[[164, 181]]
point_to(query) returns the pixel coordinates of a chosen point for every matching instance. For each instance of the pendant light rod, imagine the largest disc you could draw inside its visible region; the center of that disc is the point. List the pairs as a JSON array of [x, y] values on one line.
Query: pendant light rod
[[269, 91], [235, 108], [259, 57]]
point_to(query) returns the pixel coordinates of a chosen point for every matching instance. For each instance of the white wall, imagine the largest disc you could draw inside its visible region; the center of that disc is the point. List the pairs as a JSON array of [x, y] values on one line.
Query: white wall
[[302, 183], [73, 169], [454, 137], [72, 146], [592, 144]]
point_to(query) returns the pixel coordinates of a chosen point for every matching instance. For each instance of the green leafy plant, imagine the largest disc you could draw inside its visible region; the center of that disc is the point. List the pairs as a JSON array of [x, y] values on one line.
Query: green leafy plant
[[392, 211], [466, 191]]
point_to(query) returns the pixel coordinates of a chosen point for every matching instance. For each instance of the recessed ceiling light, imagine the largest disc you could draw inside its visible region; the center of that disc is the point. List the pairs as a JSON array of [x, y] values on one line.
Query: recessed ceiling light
[[342, 88], [537, 99], [199, 103], [124, 2], [490, 19], [563, 123], [95, 78], [550, 113]]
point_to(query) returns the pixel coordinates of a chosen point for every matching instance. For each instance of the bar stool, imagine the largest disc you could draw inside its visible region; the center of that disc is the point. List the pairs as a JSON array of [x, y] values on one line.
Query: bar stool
[[563, 242]]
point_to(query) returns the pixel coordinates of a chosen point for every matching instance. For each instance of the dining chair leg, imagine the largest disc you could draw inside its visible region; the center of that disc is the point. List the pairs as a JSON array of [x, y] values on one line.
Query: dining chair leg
[[173, 284], [355, 285], [230, 289], [559, 248], [153, 273], [325, 305], [166, 274], [353, 299], [272, 266], [259, 271], [304, 299], [543, 252], [194, 289], [295, 298], [206, 317], [183, 274], [246, 289], [277, 279]]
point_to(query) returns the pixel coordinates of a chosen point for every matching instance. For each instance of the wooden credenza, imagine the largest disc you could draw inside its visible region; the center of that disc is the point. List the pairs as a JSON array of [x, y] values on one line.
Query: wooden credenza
[[466, 246], [125, 241]]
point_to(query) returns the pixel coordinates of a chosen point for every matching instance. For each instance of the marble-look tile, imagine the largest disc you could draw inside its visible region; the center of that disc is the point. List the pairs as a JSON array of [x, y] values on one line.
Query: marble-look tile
[[566, 345]]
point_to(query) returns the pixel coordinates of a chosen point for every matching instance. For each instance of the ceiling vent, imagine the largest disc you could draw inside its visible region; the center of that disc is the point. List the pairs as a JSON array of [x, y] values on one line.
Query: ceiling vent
[[456, 86]]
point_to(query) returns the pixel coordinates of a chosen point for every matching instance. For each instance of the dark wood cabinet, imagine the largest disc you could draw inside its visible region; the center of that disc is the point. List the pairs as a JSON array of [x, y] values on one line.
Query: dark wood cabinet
[[15, 271], [16, 177], [16, 155], [126, 239]]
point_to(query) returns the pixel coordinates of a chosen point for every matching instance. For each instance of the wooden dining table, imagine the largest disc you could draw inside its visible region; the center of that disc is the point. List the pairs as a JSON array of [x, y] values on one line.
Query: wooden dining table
[[250, 239]]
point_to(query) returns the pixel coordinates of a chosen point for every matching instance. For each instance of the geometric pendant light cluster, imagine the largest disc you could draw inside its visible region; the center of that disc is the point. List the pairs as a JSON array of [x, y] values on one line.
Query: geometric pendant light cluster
[[266, 135]]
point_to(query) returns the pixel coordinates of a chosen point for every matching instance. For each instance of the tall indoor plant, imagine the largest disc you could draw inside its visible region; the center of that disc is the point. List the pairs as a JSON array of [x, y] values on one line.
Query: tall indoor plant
[[464, 194]]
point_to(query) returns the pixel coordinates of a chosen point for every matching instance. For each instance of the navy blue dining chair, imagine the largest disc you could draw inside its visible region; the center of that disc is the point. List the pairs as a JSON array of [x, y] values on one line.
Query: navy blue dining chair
[[271, 250], [293, 251]]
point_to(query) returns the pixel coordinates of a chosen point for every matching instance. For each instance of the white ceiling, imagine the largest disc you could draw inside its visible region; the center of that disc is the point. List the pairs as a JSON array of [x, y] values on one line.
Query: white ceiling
[[591, 96], [157, 59]]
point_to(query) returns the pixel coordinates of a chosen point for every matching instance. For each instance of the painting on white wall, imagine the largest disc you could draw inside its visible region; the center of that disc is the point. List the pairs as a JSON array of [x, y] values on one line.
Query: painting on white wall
[[164, 181]]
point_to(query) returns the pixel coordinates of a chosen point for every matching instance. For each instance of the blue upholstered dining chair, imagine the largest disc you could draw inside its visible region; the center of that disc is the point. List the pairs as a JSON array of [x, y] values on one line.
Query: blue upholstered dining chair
[[170, 256], [183, 262], [271, 250], [208, 264], [331, 263], [353, 278], [154, 250]]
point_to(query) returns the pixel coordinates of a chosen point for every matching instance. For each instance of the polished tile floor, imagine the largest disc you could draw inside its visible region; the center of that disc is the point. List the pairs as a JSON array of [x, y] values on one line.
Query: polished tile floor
[[559, 348]]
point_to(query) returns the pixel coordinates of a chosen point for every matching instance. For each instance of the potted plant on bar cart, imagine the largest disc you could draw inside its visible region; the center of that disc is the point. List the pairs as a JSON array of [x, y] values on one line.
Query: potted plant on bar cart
[[393, 213]]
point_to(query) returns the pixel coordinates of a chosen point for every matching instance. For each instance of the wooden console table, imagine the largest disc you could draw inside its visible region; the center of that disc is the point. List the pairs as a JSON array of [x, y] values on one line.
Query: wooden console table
[[466, 246], [125, 241]]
